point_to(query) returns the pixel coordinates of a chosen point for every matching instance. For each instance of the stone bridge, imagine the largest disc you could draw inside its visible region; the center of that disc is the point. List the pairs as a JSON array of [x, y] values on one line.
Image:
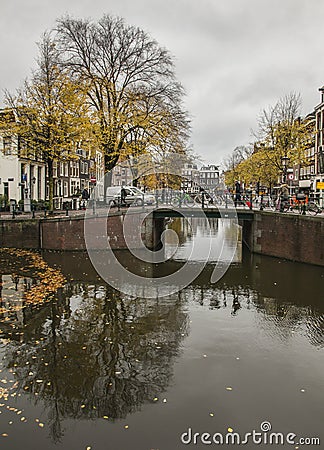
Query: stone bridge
[[290, 236]]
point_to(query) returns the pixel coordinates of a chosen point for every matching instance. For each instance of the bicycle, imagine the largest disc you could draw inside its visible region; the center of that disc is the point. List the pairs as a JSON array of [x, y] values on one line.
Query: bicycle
[[182, 198], [303, 205], [281, 205]]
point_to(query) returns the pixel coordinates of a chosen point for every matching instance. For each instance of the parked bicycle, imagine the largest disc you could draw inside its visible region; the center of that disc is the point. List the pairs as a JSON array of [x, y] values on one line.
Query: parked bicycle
[[182, 198], [303, 205]]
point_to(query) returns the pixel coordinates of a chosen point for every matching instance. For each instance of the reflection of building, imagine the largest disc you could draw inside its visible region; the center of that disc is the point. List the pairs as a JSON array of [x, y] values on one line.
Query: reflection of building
[[13, 306]]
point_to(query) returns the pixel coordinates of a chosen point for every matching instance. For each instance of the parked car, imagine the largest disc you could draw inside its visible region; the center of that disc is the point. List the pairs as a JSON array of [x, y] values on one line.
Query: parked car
[[134, 196]]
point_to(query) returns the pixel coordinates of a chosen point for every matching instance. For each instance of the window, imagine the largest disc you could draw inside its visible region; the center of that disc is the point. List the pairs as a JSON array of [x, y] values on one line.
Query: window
[[61, 169], [66, 169], [55, 169], [86, 168], [74, 187], [7, 145], [65, 189]]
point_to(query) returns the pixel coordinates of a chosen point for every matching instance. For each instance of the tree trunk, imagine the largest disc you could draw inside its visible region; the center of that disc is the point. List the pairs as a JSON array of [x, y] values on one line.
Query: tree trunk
[[110, 162]]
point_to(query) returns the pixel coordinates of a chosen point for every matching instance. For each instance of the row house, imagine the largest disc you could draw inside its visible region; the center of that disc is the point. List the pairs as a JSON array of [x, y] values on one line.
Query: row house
[[301, 176], [70, 178], [24, 175], [209, 177], [22, 171], [191, 179], [318, 180]]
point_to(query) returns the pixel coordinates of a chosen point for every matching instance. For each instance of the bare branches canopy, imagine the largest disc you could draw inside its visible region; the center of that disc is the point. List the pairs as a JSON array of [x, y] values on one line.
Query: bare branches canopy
[[135, 99]]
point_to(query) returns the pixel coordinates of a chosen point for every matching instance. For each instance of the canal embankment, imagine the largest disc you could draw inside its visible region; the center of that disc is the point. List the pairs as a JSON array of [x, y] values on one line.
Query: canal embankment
[[293, 237]]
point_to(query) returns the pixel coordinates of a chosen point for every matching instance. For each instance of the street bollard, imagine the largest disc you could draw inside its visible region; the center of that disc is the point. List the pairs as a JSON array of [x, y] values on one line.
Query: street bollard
[[202, 200], [250, 201], [261, 203], [118, 203], [14, 212], [66, 209], [33, 211]]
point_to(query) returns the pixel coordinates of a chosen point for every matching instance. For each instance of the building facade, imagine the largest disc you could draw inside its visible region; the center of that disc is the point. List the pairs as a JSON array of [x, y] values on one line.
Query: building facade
[[209, 177], [318, 184]]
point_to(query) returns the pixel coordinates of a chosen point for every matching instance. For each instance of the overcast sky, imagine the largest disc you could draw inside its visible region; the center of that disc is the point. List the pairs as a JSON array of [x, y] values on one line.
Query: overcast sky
[[233, 57]]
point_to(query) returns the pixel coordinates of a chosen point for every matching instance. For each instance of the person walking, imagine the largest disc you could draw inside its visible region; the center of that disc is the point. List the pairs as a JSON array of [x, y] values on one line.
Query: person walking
[[237, 193], [283, 196], [123, 194], [84, 198]]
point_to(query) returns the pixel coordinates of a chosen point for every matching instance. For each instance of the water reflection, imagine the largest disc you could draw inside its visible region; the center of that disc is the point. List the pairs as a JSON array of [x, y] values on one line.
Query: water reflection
[[94, 353], [205, 240]]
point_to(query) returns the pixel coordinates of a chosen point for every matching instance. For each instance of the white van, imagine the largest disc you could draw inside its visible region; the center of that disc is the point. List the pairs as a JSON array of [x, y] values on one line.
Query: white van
[[134, 196]]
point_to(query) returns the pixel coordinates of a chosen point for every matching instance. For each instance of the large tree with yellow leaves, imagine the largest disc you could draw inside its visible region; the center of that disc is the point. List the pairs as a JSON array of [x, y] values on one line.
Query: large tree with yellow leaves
[[132, 89]]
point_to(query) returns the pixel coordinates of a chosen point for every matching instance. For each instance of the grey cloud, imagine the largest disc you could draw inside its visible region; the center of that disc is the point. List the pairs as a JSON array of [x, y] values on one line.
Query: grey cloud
[[234, 57]]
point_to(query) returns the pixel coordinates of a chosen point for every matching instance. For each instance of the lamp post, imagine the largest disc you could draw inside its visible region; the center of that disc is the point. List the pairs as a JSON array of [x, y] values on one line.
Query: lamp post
[[28, 193], [59, 182], [284, 161]]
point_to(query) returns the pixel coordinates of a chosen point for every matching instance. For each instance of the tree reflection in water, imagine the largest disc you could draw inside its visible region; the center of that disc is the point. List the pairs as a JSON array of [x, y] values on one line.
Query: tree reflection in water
[[97, 354], [92, 352]]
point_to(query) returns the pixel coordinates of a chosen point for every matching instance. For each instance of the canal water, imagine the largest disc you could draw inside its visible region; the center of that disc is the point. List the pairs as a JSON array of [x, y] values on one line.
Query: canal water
[[95, 369]]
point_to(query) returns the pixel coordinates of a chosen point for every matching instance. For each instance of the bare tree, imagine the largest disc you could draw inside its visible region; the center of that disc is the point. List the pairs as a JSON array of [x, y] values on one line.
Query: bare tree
[[132, 88]]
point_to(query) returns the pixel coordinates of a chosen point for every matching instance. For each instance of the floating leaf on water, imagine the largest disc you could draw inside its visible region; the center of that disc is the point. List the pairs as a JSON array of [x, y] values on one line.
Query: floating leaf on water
[[229, 388], [230, 430], [211, 414]]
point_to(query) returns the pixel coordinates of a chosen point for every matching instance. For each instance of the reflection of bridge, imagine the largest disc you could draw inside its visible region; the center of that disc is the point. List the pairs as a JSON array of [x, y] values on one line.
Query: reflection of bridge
[[210, 213]]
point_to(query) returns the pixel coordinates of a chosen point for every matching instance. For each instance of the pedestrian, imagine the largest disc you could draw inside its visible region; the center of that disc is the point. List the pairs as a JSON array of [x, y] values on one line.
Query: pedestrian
[[237, 193], [283, 195], [84, 197], [85, 194], [123, 194]]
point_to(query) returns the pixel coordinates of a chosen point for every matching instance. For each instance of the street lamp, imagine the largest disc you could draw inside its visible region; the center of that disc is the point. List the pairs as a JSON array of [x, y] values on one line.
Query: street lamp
[[284, 161]]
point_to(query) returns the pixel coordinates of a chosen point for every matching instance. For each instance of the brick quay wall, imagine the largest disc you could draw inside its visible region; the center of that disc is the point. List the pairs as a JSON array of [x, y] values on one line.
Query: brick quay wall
[[293, 237]]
